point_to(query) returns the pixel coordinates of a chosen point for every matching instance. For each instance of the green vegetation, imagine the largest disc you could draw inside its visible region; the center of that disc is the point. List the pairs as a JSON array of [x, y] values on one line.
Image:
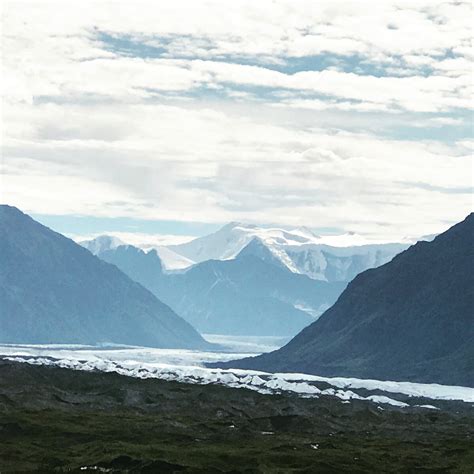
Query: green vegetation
[[58, 420]]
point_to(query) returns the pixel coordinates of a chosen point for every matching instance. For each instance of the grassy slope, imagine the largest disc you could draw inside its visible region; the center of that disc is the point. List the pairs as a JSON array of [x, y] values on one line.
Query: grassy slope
[[57, 419]]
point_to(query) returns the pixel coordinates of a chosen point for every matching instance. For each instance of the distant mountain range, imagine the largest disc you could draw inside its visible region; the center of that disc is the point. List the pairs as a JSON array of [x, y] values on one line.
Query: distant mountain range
[[330, 258], [55, 291], [410, 319], [243, 296], [170, 259], [244, 274]]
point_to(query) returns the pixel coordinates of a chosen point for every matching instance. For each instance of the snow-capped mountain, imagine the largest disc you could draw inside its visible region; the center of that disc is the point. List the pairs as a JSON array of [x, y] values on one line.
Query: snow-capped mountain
[[101, 244], [172, 260], [227, 242], [324, 262], [327, 258]]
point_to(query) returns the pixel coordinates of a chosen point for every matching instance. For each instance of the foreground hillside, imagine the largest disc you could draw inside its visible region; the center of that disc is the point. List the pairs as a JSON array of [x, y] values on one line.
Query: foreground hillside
[[52, 290], [60, 420], [411, 319]]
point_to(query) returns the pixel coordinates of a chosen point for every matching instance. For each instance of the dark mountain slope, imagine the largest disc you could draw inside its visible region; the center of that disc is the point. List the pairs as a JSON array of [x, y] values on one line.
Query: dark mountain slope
[[244, 296], [411, 319], [54, 291]]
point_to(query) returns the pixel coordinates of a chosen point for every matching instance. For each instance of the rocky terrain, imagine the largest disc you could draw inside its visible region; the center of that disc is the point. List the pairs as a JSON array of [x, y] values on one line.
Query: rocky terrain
[[60, 420]]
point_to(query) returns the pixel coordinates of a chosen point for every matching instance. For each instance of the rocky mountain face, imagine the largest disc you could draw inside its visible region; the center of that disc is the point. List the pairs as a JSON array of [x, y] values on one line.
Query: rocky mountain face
[[52, 290], [410, 319], [242, 296]]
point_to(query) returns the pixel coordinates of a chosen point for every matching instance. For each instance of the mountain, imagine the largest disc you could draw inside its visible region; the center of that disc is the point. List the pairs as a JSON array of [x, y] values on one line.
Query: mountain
[[329, 258], [323, 262], [410, 319], [101, 243], [228, 241], [259, 249], [169, 259], [242, 296], [55, 291]]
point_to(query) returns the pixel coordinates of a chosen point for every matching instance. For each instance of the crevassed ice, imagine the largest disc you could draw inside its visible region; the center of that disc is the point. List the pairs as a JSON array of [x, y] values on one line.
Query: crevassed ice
[[301, 384]]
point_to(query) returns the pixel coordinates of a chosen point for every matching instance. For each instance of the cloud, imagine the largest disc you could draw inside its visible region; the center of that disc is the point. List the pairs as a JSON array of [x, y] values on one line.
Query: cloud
[[84, 50], [270, 112], [138, 239], [205, 165]]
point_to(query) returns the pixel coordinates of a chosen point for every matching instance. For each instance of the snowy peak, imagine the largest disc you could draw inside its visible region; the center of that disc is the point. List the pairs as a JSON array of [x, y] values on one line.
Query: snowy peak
[[228, 241], [101, 244], [349, 239], [305, 232], [259, 249], [172, 260], [300, 250], [327, 258]]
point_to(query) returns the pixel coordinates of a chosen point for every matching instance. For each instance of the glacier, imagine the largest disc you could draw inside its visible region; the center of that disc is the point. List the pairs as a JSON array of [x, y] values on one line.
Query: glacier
[[188, 366]]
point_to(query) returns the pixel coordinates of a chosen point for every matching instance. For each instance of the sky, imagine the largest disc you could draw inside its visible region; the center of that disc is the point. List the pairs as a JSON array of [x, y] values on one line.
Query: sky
[[174, 118]]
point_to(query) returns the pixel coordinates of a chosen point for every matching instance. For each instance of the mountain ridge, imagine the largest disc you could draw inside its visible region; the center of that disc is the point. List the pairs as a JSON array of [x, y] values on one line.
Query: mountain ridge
[[410, 319], [231, 296], [329, 258], [52, 290]]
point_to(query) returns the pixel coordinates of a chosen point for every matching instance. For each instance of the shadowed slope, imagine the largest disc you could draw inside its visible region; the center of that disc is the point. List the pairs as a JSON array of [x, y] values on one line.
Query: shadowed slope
[[54, 291], [411, 319], [244, 296]]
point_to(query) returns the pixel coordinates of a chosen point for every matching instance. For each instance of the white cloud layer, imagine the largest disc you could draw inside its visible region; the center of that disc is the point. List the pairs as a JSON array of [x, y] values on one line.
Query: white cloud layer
[[273, 112]]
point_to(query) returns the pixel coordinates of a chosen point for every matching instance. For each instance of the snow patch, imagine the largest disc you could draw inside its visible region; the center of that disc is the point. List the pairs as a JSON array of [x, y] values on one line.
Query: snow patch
[[188, 366]]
